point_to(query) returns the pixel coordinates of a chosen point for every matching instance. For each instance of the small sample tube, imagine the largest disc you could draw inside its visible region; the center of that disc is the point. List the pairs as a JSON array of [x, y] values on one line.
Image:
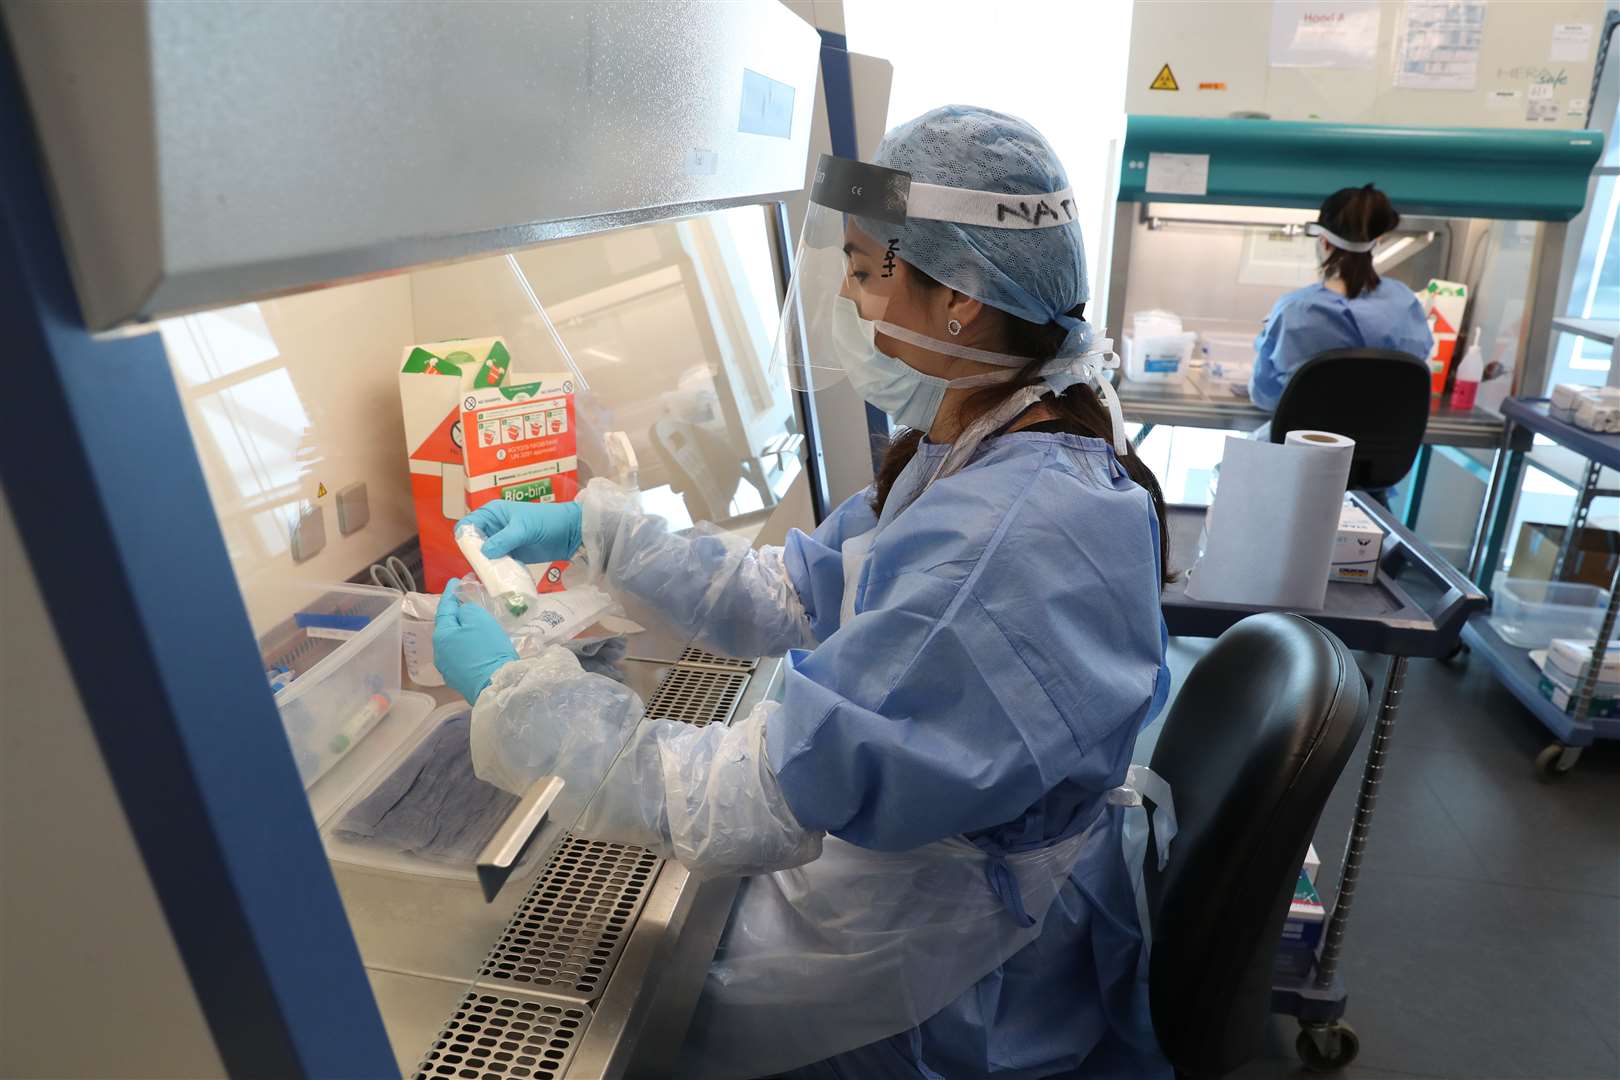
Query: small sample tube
[[506, 579], [375, 708]]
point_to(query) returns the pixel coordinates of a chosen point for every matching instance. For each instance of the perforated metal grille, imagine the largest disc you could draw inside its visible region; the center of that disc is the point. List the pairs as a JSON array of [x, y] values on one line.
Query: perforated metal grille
[[697, 696], [691, 655], [567, 934], [492, 1036]]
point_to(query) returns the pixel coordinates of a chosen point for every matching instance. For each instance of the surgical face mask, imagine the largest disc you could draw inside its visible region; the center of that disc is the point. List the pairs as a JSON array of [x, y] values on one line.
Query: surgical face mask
[[910, 397]]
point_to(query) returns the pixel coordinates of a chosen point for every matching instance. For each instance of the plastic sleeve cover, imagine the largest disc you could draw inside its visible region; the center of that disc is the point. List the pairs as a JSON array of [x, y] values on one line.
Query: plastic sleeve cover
[[706, 797], [710, 585]]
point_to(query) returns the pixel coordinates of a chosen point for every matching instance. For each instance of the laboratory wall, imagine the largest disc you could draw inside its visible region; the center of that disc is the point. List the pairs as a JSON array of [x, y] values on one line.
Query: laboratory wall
[[291, 403], [91, 983], [1057, 64], [1467, 63]]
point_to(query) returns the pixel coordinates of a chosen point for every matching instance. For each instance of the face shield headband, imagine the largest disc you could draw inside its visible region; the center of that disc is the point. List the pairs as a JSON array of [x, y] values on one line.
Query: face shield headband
[[844, 189], [1358, 247]]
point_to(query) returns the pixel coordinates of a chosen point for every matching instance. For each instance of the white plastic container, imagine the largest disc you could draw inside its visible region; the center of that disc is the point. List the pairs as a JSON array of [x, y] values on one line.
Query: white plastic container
[[1529, 614], [342, 649], [1160, 359], [1228, 358]]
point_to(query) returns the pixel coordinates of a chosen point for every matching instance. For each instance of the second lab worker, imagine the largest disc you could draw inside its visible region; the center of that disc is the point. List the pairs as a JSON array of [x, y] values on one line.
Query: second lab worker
[[932, 818], [1351, 307]]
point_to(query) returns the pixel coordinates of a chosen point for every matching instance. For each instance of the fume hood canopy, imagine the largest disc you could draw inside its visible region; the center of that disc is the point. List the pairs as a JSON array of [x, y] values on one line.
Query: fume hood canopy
[[215, 153]]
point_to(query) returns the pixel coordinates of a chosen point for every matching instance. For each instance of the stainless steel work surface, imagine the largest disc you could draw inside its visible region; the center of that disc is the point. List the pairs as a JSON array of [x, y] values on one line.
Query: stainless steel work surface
[[602, 962], [435, 926], [497, 1036], [413, 1009], [1203, 402]]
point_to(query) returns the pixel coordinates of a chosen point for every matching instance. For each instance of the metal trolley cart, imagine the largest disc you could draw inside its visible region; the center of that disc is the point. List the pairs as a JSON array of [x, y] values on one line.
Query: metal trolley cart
[[1574, 728], [1418, 608]]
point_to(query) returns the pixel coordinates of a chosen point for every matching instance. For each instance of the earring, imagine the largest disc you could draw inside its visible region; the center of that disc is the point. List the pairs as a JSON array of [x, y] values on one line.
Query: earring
[[954, 327]]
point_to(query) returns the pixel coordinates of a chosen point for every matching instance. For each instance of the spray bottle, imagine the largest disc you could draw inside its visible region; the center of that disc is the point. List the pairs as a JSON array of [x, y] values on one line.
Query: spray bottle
[[1469, 373]]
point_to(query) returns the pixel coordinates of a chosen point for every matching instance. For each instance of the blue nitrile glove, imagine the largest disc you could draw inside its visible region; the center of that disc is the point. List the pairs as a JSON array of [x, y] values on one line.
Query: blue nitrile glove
[[468, 644], [533, 532]]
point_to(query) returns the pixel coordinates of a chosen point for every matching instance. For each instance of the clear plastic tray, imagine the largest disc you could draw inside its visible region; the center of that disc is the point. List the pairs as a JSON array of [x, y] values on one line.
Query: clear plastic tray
[[1529, 614], [342, 652]]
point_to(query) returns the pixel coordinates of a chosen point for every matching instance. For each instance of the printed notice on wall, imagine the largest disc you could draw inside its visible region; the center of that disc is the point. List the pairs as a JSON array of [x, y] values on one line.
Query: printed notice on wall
[[1571, 43], [1178, 174], [1324, 35], [1438, 44], [1541, 108]]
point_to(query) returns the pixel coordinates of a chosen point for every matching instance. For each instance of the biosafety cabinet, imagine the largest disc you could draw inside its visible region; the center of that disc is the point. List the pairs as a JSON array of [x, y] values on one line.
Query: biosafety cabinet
[[226, 227], [1210, 225]]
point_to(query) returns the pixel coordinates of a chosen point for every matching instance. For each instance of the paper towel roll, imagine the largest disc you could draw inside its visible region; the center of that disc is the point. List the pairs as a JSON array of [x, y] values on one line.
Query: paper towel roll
[[1323, 440], [1272, 526]]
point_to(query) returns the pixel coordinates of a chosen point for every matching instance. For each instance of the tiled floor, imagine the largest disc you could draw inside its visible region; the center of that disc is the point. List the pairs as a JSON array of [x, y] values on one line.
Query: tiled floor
[[1486, 938]]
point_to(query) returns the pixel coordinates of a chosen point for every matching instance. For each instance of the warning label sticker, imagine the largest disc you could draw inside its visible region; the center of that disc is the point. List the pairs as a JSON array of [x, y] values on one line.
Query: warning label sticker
[[1165, 80]]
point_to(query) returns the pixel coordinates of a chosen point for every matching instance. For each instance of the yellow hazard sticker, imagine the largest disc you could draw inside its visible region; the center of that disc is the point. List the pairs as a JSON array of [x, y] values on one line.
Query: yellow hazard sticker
[[1165, 80], [320, 492]]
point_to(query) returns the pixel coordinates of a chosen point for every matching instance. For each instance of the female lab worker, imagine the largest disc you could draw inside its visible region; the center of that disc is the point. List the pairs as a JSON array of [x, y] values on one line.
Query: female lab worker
[[932, 813], [1351, 307]]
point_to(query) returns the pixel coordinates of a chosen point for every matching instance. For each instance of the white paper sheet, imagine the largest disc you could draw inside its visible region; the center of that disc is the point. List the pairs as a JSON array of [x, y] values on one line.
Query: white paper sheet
[[1307, 34], [1571, 43], [1178, 174], [1272, 526], [1540, 107], [1438, 45]]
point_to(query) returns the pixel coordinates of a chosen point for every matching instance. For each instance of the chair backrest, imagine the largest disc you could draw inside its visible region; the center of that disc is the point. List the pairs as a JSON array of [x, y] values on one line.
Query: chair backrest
[[1377, 397], [1251, 748]]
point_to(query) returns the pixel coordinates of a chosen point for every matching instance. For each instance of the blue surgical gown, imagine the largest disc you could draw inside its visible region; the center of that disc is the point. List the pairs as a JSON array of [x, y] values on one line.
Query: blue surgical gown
[[1006, 648], [1316, 319]]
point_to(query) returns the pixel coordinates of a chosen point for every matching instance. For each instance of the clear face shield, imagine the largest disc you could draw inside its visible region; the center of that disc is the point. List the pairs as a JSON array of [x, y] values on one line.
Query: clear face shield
[[845, 275]]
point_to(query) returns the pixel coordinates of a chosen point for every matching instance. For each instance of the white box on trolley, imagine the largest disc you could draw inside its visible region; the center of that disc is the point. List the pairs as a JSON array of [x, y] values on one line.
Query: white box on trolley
[[1356, 547]]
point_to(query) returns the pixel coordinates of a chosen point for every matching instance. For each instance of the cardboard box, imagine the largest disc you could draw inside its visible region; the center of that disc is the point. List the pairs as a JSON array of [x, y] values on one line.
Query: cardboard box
[[1356, 548], [1598, 410], [1306, 913], [1445, 303], [1571, 657], [522, 446], [1605, 704], [1294, 960], [1592, 558], [436, 381]]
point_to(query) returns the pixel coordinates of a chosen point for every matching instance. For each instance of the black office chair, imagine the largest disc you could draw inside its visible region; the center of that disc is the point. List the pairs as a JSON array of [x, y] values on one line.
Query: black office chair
[[1253, 745], [1377, 397]]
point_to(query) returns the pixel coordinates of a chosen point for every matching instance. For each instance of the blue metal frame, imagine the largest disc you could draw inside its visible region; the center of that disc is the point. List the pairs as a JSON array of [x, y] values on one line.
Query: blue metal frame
[[840, 93], [103, 480]]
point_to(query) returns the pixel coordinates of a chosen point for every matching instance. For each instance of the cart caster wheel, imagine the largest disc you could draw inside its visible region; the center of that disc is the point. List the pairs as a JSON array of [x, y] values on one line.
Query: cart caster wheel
[[1327, 1047], [1555, 760], [1458, 655]]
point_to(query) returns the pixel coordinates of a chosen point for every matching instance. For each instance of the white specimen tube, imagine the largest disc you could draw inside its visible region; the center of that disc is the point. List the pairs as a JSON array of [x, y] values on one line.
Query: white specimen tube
[[506, 579]]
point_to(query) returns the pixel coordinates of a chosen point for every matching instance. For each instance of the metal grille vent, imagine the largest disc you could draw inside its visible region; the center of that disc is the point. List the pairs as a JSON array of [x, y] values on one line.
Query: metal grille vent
[[494, 1037], [693, 655], [567, 934], [697, 696]]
